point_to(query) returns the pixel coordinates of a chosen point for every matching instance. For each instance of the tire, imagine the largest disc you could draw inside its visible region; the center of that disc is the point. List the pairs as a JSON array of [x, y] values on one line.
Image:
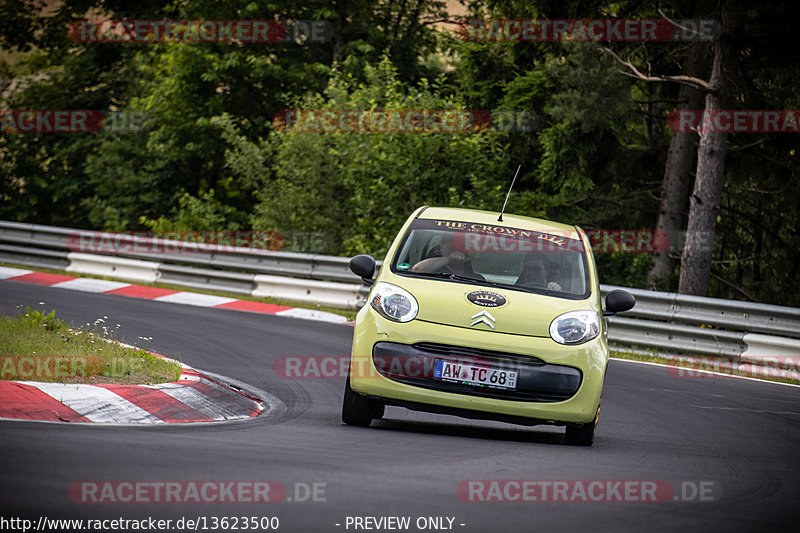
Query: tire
[[358, 410], [582, 435]]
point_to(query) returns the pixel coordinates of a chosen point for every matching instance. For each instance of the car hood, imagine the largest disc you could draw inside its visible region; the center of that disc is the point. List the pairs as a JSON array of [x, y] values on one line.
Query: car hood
[[449, 303]]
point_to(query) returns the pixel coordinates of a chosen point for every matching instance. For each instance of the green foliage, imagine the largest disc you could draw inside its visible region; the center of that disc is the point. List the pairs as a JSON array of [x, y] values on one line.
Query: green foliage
[[355, 188], [194, 214], [208, 158], [47, 320], [110, 180], [627, 269]]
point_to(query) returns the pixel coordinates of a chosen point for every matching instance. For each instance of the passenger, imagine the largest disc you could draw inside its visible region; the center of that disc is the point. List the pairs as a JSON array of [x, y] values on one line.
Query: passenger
[[536, 271]]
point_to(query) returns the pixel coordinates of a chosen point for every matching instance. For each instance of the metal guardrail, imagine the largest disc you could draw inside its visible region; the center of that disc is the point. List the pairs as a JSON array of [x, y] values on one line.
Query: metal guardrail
[[666, 322], [22, 238], [671, 337], [716, 312], [672, 322]]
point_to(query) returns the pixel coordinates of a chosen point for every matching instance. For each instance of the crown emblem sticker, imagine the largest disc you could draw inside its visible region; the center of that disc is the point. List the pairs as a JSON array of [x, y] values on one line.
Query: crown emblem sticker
[[486, 298]]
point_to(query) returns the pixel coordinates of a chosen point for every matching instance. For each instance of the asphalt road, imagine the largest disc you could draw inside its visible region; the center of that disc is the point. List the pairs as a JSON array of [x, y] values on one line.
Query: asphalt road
[[727, 446]]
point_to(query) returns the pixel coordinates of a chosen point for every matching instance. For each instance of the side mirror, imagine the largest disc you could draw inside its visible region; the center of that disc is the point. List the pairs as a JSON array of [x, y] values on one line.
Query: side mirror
[[363, 266], [618, 301]]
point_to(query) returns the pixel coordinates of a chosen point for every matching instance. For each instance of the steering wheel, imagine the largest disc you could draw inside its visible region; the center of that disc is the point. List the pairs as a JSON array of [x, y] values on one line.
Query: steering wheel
[[533, 285]]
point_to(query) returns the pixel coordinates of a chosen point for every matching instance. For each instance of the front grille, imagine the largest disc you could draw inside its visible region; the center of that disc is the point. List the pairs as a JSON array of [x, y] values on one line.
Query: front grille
[[537, 381], [448, 350]]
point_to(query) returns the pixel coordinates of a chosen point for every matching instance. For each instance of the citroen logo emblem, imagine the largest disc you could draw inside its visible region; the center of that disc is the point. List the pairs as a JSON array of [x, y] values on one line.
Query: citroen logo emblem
[[485, 317]]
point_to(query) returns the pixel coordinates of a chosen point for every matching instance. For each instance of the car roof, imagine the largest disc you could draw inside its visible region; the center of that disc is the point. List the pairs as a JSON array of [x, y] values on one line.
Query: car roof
[[490, 218]]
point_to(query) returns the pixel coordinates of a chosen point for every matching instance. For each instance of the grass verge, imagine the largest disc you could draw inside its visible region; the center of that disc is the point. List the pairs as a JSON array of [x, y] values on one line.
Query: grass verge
[[37, 346]]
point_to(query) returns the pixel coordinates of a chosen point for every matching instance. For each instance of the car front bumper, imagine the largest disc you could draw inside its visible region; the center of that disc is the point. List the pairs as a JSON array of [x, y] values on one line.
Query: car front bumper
[[588, 361]]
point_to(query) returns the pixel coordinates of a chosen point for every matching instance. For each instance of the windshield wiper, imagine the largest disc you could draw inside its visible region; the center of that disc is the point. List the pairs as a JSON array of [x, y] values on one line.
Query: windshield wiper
[[445, 275], [450, 275], [531, 290]]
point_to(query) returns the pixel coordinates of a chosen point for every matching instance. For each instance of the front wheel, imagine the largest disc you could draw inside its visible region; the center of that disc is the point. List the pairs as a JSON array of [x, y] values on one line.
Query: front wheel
[[358, 410], [582, 435]]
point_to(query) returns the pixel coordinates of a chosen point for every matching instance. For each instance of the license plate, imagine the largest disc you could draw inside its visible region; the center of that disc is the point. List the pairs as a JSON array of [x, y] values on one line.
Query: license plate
[[475, 375]]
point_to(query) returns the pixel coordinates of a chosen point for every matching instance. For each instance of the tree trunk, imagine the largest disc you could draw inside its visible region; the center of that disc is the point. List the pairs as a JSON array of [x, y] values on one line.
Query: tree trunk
[[677, 180], [710, 175]]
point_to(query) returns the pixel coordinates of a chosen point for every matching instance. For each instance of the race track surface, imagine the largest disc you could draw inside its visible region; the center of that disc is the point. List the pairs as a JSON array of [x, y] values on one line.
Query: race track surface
[[728, 446]]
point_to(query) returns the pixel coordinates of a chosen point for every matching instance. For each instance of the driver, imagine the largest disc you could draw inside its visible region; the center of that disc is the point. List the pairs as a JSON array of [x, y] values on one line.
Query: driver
[[451, 261], [536, 271]]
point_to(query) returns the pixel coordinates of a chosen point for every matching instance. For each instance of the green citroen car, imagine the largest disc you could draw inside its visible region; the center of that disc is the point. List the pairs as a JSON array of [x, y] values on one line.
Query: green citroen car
[[483, 316]]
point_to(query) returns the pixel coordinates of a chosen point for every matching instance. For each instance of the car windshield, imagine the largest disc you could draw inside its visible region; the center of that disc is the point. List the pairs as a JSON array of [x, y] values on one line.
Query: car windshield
[[514, 258]]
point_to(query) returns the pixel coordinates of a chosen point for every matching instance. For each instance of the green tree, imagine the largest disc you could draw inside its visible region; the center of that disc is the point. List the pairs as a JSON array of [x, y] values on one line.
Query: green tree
[[353, 189], [110, 180]]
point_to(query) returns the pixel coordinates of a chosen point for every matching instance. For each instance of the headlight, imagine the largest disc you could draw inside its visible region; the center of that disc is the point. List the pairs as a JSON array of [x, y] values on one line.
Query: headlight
[[575, 327], [393, 302]]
